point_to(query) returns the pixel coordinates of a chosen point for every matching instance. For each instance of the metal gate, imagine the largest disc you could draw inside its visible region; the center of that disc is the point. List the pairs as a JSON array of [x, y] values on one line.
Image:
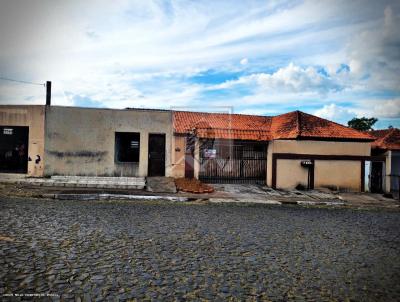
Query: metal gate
[[233, 161]]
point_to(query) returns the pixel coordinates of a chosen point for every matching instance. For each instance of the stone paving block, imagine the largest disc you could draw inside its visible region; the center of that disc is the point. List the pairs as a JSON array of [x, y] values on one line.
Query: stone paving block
[[210, 252]]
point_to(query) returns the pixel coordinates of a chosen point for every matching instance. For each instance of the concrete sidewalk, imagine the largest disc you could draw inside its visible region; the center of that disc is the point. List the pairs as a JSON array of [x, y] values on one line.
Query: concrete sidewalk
[[132, 188]]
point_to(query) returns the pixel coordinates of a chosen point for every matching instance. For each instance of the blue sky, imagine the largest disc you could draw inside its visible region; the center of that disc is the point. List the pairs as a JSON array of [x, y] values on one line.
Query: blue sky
[[335, 59]]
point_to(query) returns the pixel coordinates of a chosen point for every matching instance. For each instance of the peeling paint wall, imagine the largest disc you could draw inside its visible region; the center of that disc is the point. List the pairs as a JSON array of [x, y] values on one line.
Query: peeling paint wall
[[81, 141], [33, 117]]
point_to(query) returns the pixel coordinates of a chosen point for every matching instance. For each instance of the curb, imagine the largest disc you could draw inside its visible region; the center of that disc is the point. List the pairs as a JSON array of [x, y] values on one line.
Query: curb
[[113, 197], [105, 196], [321, 203], [276, 202]]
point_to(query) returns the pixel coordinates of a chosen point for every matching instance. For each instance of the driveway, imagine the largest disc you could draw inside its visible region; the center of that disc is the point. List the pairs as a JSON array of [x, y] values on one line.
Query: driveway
[[88, 250]]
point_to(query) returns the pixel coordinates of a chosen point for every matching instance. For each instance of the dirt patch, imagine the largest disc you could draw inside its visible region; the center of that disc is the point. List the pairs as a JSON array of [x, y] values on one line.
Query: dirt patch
[[192, 185]]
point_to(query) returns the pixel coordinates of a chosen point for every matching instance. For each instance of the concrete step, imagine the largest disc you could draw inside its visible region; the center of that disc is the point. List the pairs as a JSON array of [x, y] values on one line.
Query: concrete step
[[161, 184], [87, 182], [98, 178]]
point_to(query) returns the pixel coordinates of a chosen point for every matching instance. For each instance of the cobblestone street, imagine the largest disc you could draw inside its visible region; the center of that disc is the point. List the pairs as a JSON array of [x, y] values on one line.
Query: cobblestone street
[[87, 250]]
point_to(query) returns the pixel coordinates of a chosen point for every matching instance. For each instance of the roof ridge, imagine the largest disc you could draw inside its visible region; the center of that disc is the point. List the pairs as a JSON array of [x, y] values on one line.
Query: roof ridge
[[221, 113], [228, 129]]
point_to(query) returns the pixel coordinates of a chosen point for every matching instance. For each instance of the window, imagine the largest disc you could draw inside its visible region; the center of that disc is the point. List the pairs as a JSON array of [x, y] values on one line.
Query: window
[[127, 146]]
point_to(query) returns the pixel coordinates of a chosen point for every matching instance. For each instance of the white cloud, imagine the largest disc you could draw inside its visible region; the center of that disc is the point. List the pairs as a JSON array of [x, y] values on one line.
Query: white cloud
[[244, 61], [292, 78], [380, 108], [141, 53], [388, 109], [374, 53], [335, 113]]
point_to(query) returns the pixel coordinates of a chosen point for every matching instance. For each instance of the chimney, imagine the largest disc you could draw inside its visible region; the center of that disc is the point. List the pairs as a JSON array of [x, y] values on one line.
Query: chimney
[[48, 93]]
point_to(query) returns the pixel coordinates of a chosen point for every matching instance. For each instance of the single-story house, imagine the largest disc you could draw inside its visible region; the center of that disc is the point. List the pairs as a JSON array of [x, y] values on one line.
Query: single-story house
[[385, 175], [285, 151], [55, 140]]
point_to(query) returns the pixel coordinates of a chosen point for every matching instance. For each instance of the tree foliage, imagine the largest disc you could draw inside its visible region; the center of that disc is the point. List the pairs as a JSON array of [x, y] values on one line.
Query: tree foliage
[[362, 124]]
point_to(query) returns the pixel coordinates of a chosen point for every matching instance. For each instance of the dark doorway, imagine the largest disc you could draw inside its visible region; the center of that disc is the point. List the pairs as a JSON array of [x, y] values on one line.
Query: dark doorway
[[14, 149], [189, 157], [376, 177], [156, 165]]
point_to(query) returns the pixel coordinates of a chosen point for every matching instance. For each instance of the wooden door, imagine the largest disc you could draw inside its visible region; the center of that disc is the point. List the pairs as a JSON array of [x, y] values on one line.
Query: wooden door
[[156, 166]]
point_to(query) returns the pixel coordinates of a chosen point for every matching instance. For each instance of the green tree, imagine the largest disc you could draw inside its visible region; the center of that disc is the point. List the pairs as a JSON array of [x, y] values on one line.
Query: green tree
[[362, 124]]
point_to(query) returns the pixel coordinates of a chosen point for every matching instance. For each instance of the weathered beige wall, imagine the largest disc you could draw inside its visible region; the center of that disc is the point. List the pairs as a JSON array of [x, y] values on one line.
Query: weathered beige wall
[[321, 147], [327, 172], [33, 117], [178, 159], [338, 175], [290, 174], [81, 141]]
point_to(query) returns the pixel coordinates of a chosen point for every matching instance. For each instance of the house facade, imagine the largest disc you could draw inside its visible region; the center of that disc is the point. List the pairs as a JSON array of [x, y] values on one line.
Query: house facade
[[85, 141], [107, 142], [286, 151]]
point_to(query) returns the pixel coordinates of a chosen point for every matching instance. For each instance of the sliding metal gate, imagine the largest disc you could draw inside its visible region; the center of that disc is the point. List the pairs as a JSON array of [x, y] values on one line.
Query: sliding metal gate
[[233, 161]]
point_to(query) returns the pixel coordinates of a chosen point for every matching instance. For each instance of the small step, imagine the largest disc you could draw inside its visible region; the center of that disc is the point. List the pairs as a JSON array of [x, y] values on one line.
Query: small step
[[88, 182], [160, 184]]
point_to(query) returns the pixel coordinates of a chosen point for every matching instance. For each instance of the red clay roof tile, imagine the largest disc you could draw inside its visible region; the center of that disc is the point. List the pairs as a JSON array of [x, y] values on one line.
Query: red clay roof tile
[[388, 139], [292, 125]]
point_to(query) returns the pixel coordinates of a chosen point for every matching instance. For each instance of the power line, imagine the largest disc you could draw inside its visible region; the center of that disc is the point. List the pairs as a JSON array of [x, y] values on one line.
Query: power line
[[19, 81]]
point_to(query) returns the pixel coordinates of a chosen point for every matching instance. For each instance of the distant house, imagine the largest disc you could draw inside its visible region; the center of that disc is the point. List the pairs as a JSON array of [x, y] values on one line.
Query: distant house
[[385, 176], [285, 151]]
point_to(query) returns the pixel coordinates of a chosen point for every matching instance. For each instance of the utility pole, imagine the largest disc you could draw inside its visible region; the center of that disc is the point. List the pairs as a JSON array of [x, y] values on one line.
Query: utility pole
[[48, 93]]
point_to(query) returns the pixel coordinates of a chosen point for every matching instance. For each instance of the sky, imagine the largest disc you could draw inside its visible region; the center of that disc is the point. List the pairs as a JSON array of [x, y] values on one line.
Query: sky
[[334, 59]]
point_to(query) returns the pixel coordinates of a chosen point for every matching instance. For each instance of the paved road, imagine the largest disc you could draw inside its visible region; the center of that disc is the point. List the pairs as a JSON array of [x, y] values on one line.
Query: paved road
[[104, 250]]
